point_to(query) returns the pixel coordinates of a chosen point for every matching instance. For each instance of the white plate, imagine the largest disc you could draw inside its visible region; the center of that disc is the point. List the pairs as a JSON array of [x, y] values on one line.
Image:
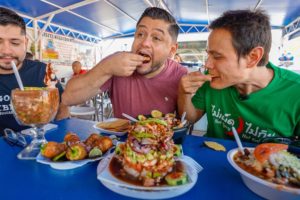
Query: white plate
[[65, 165], [261, 187], [108, 131], [126, 189]]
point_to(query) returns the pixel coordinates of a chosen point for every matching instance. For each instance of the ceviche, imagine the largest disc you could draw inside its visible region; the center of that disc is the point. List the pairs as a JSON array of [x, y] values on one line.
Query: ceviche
[[147, 156], [170, 118], [271, 162]]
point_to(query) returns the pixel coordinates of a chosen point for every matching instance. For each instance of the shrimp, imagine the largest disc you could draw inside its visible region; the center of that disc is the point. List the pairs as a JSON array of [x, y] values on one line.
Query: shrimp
[[263, 151]]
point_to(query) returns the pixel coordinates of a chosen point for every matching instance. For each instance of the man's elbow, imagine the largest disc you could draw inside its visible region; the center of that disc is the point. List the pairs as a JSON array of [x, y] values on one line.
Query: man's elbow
[[63, 112], [65, 99], [191, 119]]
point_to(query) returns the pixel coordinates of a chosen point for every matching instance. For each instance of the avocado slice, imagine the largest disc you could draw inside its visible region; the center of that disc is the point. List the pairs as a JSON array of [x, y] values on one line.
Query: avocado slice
[[59, 156], [177, 150], [158, 121], [156, 114], [176, 178], [141, 117], [118, 150], [95, 152], [143, 135]]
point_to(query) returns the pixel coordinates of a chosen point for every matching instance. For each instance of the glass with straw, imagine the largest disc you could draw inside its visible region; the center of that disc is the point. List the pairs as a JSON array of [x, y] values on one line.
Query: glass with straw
[[35, 107]]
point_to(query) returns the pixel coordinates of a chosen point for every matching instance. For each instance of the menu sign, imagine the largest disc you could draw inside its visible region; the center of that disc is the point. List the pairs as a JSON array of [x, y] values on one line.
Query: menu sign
[[61, 50]]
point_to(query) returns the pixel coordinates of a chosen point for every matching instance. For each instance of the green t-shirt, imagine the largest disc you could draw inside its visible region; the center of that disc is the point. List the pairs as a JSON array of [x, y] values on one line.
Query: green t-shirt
[[273, 111]]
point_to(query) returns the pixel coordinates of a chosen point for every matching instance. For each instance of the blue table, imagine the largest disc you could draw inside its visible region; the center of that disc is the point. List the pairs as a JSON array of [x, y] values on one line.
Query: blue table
[[21, 179]]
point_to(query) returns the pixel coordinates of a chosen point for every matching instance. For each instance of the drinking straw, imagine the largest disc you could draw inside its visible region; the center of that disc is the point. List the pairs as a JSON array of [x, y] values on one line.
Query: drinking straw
[[238, 141], [17, 75]]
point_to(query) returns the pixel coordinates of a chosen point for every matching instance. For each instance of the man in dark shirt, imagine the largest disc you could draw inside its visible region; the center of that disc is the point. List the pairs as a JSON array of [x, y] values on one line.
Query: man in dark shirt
[[13, 45]]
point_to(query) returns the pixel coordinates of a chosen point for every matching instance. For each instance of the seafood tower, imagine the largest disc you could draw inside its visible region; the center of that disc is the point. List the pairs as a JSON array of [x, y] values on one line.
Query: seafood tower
[[148, 153]]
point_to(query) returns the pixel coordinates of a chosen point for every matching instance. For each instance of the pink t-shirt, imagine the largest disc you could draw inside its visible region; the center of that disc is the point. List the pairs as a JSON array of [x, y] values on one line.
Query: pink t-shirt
[[136, 94]]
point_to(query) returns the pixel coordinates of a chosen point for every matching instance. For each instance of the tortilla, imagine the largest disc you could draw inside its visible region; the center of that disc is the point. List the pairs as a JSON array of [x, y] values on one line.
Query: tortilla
[[215, 146], [119, 125]]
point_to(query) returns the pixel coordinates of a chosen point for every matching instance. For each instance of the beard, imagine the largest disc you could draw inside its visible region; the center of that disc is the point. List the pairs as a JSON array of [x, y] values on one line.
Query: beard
[[7, 66], [154, 67]]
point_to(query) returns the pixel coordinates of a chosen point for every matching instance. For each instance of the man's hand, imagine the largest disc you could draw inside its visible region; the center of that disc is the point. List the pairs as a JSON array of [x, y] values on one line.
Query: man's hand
[[83, 87], [190, 83], [121, 63]]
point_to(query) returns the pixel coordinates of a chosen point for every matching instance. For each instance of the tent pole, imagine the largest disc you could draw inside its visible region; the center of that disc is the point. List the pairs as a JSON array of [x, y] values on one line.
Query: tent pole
[[35, 35]]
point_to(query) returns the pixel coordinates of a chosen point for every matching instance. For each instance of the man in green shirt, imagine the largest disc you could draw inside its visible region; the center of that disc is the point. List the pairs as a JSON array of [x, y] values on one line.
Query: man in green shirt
[[241, 88]]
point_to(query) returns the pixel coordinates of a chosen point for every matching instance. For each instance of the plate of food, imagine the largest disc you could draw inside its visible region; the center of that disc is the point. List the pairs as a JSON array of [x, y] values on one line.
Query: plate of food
[[73, 153], [113, 126], [269, 170], [148, 164]]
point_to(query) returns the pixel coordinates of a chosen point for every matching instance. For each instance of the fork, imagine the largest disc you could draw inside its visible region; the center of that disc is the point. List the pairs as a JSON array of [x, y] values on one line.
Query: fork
[[183, 116], [129, 117], [194, 163]]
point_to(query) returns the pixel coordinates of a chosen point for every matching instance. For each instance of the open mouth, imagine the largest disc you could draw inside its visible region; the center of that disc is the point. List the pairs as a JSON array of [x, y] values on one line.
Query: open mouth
[[213, 75], [147, 58]]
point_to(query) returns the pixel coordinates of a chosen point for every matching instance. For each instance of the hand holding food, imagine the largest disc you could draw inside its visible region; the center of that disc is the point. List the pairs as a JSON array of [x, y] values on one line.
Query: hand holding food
[[190, 83], [121, 63]]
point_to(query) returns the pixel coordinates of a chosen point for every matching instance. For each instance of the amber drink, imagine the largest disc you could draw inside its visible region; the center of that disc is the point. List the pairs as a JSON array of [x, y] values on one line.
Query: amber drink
[[34, 107]]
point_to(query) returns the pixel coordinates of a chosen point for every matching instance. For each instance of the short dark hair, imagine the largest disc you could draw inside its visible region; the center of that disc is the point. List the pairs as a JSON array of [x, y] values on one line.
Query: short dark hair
[[9, 17], [76, 62], [159, 13], [29, 56], [248, 29]]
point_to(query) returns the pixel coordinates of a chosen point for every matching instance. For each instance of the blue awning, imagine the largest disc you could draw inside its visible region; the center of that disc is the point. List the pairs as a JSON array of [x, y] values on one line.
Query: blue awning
[[94, 20]]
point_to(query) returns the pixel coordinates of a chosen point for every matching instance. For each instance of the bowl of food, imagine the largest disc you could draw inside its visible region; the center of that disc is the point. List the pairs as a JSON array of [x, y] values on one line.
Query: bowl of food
[[269, 170]]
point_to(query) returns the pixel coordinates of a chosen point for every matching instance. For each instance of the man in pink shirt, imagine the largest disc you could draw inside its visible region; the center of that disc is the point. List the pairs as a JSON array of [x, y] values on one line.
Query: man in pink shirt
[[141, 80]]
